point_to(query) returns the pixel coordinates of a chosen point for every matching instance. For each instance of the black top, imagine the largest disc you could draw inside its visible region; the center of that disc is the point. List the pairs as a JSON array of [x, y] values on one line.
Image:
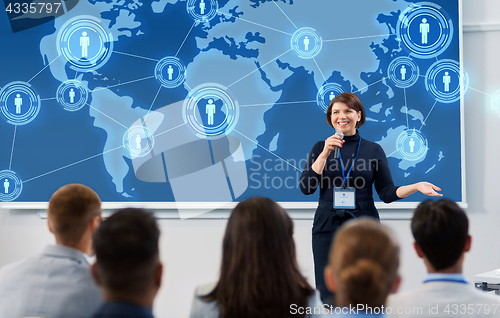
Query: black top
[[370, 167]]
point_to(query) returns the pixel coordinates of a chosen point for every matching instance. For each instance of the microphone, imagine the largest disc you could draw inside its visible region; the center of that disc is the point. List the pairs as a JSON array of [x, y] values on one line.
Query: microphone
[[337, 149]]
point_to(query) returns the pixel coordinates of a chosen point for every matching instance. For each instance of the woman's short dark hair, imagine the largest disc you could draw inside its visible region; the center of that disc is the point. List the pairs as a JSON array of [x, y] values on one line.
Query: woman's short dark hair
[[259, 275], [352, 101]]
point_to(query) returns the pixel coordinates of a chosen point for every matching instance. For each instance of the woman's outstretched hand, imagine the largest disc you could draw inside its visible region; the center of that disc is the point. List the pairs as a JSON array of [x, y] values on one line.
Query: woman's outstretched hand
[[428, 188]]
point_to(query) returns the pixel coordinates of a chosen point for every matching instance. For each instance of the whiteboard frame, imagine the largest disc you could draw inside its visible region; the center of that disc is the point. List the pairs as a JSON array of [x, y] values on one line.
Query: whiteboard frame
[[203, 205], [173, 206]]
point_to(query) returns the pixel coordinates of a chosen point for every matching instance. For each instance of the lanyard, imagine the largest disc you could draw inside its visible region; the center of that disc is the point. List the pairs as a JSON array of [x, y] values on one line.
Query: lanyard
[[352, 166]]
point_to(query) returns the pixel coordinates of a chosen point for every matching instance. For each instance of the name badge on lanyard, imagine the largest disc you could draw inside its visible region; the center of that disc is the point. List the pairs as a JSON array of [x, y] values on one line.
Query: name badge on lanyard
[[345, 197]]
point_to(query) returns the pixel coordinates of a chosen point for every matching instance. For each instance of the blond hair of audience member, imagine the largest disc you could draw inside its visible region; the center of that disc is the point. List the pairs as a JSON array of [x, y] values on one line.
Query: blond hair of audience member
[[363, 264], [73, 216]]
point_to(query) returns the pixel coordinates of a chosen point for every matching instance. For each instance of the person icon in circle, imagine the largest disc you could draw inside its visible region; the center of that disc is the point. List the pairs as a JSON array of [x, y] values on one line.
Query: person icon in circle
[[412, 145], [403, 72], [446, 81], [85, 43], [306, 43], [202, 7], [18, 101], [424, 30], [170, 72], [332, 96], [210, 110], [6, 185], [138, 142], [72, 96]]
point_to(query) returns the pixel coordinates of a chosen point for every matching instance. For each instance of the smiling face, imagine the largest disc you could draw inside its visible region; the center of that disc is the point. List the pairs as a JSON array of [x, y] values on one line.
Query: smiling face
[[344, 119]]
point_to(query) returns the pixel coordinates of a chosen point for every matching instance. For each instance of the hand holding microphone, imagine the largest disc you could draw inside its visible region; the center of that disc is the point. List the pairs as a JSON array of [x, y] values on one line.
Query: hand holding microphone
[[333, 143]]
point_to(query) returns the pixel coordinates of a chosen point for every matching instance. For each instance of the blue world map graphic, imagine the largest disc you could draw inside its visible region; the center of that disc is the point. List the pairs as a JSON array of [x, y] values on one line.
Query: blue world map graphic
[[131, 91]]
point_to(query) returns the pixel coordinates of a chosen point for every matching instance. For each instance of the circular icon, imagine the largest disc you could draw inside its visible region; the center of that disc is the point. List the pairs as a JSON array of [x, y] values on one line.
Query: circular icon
[[138, 141], [19, 103], [412, 145], [84, 43], [12, 186], [71, 95], [403, 71], [202, 10], [445, 81], [210, 110], [425, 30], [495, 102], [326, 93], [170, 72], [306, 43]]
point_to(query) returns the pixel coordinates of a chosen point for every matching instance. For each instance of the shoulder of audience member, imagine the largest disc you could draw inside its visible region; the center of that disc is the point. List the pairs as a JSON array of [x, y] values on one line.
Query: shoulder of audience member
[[9, 269], [399, 299], [202, 290]]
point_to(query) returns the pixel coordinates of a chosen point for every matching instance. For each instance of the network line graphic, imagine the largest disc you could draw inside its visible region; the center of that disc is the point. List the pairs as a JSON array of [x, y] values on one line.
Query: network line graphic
[[212, 114]]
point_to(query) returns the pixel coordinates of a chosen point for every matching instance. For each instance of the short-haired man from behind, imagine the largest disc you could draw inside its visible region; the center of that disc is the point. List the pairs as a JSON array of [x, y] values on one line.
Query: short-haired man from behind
[[57, 283], [127, 266], [441, 232]]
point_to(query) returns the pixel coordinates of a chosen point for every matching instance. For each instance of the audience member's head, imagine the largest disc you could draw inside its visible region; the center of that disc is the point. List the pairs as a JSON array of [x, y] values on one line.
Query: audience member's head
[[128, 266], [441, 232], [363, 264], [259, 274], [73, 215]]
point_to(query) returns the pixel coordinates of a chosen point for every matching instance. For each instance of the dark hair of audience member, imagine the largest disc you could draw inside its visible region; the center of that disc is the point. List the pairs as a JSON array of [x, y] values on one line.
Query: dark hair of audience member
[[70, 210], [364, 260], [259, 275], [441, 229], [127, 255]]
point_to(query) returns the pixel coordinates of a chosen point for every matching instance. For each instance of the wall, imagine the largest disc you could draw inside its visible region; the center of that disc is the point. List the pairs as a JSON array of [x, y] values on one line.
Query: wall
[[191, 248]]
